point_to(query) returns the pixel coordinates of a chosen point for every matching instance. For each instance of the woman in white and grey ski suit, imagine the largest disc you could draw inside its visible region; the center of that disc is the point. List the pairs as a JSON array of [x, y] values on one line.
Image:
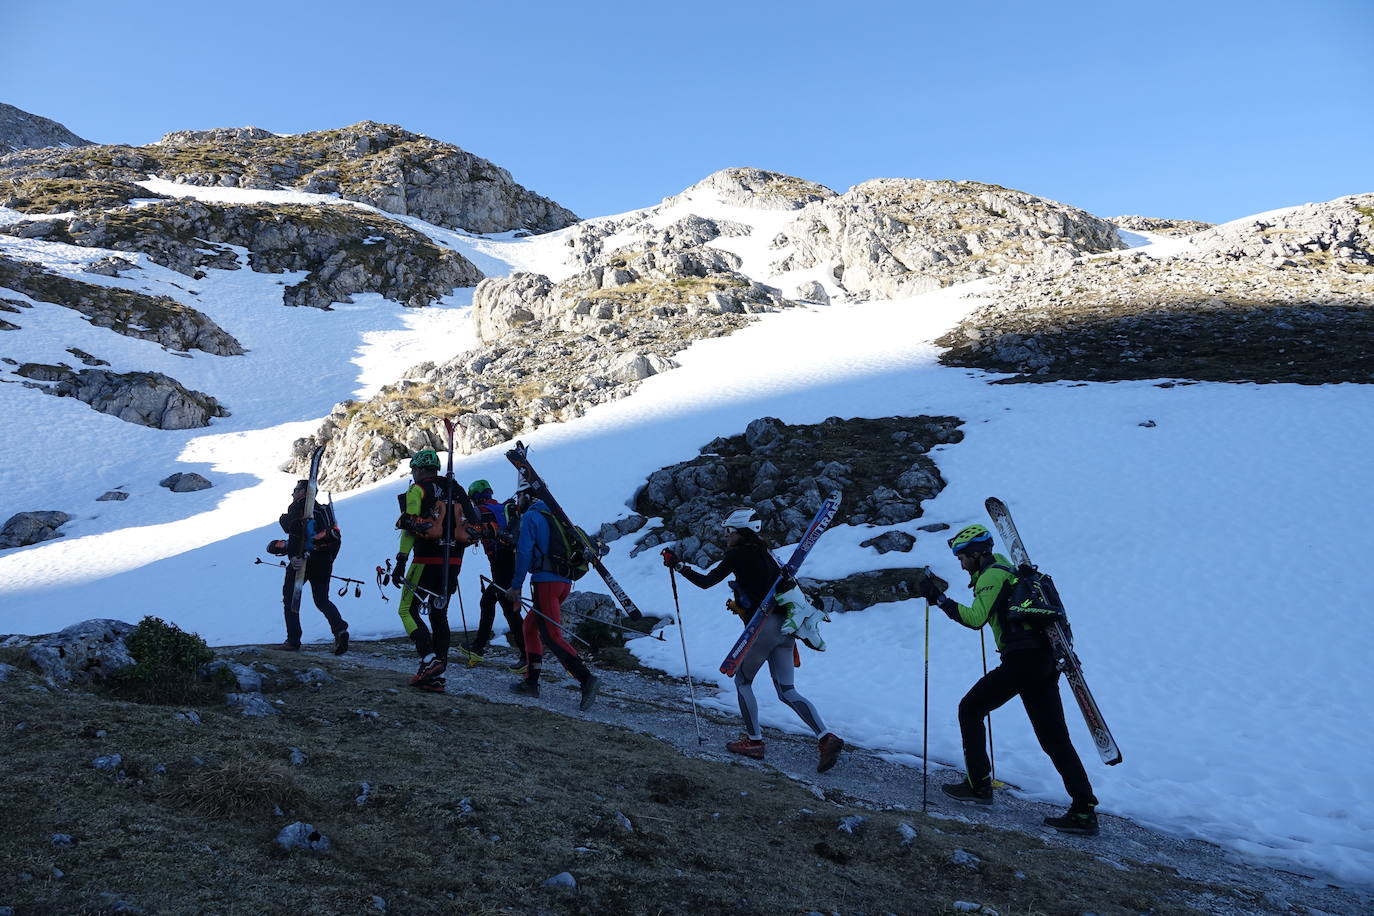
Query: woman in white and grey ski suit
[[747, 558]]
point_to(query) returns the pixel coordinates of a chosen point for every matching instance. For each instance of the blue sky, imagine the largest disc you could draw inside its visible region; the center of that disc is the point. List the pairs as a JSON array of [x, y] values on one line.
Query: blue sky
[[1202, 110]]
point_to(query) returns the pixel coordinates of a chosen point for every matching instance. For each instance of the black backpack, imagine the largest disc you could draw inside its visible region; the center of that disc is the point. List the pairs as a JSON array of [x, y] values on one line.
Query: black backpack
[[568, 555], [1029, 600]]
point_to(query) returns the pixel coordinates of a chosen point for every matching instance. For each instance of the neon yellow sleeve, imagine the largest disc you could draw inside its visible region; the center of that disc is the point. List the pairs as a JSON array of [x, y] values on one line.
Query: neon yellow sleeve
[[985, 593], [415, 498]]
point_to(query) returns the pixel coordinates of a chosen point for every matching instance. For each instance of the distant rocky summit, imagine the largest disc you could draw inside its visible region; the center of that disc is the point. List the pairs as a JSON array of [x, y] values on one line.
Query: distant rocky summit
[[378, 164], [1285, 297], [21, 130], [1174, 227], [893, 237]]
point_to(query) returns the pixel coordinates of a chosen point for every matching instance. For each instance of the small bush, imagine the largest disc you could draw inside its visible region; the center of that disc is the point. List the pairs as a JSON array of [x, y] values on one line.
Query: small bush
[[168, 660], [241, 787]]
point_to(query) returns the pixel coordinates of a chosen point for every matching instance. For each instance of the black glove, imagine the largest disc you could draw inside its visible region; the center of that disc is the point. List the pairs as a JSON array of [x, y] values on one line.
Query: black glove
[[950, 607], [927, 589], [670, 559], [276, 548], [398, 575]]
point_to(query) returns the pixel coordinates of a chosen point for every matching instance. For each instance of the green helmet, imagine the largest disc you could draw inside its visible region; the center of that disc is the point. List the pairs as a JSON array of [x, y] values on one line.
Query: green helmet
[[478, 487], [974, 537], [425, 458]]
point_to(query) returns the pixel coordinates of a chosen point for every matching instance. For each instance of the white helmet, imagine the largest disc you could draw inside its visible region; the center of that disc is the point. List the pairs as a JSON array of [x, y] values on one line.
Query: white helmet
[[742, 517]]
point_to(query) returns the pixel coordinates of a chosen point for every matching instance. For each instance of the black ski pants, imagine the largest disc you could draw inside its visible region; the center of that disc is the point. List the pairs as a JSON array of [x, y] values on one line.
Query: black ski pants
[[319, 566], [502, 571], [1032, 675], [434, 637]]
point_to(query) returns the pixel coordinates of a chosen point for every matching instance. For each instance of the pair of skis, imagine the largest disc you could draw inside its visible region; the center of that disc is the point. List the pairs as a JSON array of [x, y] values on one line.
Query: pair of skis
[[1060, 642], [312, 487], [519, 456], [824, 516]]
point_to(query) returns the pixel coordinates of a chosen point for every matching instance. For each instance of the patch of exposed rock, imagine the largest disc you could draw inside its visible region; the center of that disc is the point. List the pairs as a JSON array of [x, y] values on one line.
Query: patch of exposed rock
[[756, 188], [1291, 296], [25, 528], [865, 589], [20, 130], [160, 319], [552, 350], [64, 195], [346, 249], [893, 237], [378, 164], [83, 652], [1173, 227], [146, 398], [784, 472]]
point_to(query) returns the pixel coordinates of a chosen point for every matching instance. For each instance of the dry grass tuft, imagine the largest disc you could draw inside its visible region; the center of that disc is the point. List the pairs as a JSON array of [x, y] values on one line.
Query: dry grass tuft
[[242, 786]]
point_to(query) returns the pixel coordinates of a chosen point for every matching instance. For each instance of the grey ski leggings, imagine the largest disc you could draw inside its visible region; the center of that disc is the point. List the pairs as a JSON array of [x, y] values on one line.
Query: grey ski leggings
[[773, 647]]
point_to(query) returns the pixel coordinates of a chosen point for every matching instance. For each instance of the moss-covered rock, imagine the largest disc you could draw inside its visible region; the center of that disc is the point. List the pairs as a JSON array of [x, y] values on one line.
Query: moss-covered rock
[[60, 195]]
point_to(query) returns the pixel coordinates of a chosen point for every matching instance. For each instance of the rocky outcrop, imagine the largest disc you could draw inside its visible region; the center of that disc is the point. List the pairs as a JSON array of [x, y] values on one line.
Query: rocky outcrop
[[784, 472], [63, 195], [185, 482], [755, 188], [83, 652], [21, 130], [378, 164], [1174, 227], [1291, 294], [25, 528], [894, 237], [553, 350], [346, 249], [160, 319], [865, 589], [146, 398]]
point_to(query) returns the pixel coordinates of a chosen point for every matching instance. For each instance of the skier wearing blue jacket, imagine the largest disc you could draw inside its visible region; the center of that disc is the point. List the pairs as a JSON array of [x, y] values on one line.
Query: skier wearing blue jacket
[[541, 553]]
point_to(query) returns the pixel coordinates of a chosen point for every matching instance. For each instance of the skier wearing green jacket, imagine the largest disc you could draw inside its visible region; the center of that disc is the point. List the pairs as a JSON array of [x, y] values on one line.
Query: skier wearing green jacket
[[1028, 669]]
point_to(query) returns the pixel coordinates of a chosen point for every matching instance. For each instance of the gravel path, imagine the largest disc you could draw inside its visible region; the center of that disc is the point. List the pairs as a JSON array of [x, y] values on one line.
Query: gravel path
[[656, 705]]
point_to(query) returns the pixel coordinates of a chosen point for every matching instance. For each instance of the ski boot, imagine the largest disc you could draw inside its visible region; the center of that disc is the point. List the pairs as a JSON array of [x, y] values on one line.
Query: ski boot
[[341, 641], [830, 746], [746, 747], [589, 690], [471, 659], [433, 685], [965, 791], [1080, 820], [525, 689], [431, 666]]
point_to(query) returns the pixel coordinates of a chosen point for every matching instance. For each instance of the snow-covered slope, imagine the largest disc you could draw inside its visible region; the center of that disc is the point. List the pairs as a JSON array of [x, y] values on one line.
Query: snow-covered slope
[[1212, 562]]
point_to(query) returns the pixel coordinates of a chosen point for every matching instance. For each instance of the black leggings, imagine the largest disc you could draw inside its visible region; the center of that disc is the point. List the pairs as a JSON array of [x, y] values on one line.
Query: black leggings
[[1032, 675], [318, 568], [502, 571]]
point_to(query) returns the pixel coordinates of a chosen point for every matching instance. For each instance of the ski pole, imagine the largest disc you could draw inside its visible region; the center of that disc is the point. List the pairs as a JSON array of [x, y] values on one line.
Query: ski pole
[[525, 602], [682, 632], [925, 718], [425, 596], [992, 751], [608, 623], [343, 589]]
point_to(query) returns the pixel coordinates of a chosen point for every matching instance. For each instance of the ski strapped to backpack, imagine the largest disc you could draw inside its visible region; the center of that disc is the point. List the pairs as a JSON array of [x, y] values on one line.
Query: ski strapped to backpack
[[312, 486], [1040, 591], [518, 456], [567, 556], [824, 516]]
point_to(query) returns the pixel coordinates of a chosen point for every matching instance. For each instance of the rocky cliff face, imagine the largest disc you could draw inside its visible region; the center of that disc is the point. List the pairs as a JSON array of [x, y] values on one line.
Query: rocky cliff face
[[551, 350], [347, 250], [894, 237], [21, 130], [146, 398], [379, 164], [1174, 227], [1287, 297]]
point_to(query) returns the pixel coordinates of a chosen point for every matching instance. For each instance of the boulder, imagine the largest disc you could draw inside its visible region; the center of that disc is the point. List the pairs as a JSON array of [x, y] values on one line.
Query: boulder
[[185, 482], [889, 541], [83, 652], [146, 398], [25, 528]]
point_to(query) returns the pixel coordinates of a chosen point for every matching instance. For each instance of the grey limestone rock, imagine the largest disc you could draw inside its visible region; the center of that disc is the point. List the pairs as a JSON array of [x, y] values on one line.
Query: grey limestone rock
[[83, 652], [562, 879], [25, 528], [254, 705], [146, 398], [20, 130], [110, 763], [302, 836], [112, 496], [185, 482], [889, 541]]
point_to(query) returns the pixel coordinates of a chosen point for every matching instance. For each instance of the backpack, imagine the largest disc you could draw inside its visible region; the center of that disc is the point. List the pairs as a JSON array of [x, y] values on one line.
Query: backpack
[[329, 535], [568, 556], [1030, 602]]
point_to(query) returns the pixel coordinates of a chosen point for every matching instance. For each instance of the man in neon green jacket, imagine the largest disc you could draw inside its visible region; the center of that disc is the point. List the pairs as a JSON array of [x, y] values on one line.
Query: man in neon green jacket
[[1028, 669]]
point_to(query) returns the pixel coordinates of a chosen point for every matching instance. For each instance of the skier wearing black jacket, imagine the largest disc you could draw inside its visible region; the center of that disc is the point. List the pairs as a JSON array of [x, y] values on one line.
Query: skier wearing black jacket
[[499, 525], [747, 558], [1028, 670], [319, 566]]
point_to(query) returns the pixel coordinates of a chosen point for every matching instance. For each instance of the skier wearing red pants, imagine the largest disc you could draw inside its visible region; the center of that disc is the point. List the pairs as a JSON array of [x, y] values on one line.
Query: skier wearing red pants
[[542, 554]]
